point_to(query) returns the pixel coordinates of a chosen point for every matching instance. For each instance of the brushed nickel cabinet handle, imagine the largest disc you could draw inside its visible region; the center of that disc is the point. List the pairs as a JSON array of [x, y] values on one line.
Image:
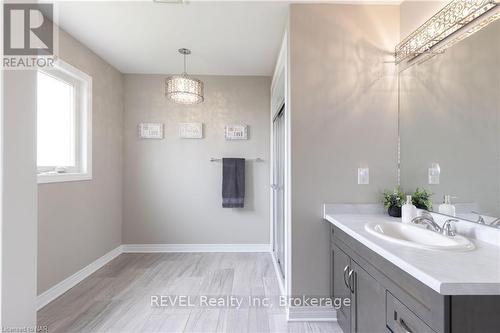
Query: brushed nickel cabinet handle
[[350, 276], [404, 326], [346, 268]]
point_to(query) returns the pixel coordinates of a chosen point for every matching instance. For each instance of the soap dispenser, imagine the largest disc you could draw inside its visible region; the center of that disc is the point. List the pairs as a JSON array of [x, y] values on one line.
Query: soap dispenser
[[446, 207], [408, 211]]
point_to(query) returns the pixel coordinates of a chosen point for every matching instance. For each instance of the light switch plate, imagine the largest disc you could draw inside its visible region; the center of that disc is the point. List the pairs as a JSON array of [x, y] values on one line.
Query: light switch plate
[[434, 174], [191, 130], [363, 176], [150, 131], [236, 132]]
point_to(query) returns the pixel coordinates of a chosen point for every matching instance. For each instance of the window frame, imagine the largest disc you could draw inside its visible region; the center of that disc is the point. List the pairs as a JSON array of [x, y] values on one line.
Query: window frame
[[82, 84], [75, 85]]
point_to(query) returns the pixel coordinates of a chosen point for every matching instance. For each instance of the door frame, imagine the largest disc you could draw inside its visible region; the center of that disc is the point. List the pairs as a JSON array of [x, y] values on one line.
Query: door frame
[[279, 96]]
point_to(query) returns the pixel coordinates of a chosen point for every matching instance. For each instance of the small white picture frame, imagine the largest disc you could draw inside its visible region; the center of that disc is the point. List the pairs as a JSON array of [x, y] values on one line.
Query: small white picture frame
[[150, 131], [236, 132], [191, 130]]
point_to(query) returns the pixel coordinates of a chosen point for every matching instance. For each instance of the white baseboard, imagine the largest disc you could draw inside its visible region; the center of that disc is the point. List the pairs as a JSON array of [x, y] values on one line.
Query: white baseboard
[[295, 313], [148, 248], [311, 313], [71, 281]]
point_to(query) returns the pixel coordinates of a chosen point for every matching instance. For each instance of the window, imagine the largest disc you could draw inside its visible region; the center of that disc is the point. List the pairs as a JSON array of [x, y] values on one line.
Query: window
[[64, 120]]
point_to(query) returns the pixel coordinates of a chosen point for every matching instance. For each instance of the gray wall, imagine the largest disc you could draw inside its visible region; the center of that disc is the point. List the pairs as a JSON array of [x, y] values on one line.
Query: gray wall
[[172, 193], [79, 222], [343, 116], [453, 97], [19, 241]]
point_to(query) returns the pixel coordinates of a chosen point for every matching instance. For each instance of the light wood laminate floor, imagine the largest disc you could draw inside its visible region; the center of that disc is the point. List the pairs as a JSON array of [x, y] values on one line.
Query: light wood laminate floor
[[117, 298]]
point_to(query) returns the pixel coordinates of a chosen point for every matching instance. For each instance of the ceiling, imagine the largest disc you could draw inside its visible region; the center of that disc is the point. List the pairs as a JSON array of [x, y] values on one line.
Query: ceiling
[[226, 37]]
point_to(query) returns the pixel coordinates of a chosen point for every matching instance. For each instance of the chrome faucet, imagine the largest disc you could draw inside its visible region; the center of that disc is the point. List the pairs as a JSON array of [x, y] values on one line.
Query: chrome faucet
[[480, 218], [428, 221], [448, 228], [495, 223]]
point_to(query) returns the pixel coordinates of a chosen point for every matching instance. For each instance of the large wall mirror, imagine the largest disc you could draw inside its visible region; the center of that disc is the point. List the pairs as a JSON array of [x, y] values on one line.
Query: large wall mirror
[[450, 127]]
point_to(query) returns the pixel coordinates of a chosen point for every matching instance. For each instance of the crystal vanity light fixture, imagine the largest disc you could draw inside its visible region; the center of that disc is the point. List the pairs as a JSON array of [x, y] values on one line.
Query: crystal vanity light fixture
[[183, 89], [455, 22]]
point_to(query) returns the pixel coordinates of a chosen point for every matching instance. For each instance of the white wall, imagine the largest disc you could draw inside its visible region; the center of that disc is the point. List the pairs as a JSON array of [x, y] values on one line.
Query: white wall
[[414, 13], [344, 115], [19, 205], [81, 221], [172, 192]]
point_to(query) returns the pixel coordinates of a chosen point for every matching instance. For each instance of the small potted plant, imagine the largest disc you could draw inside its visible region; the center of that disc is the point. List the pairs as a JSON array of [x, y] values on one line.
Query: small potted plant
[[393, 200], [422, 199]]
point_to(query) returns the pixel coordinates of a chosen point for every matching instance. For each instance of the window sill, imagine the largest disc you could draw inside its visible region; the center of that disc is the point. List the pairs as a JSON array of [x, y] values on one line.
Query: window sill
[[45, 178]]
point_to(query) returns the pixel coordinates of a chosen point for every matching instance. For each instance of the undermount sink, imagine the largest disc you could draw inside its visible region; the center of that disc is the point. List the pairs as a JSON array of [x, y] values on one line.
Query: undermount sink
[[410, 235]]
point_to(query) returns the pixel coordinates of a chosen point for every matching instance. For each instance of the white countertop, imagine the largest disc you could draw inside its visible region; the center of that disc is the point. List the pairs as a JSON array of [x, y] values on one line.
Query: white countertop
[[476, 272]]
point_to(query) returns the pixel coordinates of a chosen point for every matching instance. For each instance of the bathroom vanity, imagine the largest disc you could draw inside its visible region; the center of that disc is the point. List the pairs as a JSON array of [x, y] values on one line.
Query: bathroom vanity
[[403, 279], [397, 288]]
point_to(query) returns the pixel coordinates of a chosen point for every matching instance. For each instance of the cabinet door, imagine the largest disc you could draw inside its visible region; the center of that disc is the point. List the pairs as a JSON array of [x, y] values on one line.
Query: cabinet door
[[368, 305], [340, 264]]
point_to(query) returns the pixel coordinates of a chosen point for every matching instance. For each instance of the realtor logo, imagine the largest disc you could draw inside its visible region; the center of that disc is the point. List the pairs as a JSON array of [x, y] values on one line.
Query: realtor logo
[[27, 30]]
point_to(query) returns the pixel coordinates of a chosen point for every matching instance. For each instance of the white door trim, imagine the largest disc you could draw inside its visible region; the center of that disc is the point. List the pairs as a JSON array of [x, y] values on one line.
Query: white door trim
[[282, 69]]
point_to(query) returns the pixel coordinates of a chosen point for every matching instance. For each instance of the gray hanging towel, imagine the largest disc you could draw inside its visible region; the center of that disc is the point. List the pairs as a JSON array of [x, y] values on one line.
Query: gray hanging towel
[[233, 182]]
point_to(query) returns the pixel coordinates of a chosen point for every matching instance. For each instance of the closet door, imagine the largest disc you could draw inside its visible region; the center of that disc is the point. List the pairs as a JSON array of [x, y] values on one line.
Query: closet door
[[278, 187]]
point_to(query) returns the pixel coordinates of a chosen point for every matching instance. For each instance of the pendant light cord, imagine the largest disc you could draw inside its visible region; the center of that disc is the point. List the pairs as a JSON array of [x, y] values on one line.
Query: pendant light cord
[[185, 52]]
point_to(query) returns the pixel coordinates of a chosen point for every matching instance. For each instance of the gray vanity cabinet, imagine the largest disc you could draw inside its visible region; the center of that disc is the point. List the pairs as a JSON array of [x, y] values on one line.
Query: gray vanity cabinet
[[367, 296], [368, 302], [372, 305], [400, 319], [386, 299], [340, 287]]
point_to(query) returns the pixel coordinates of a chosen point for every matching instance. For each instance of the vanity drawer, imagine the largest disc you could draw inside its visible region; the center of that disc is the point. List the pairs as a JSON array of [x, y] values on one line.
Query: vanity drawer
[[400, 319]]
